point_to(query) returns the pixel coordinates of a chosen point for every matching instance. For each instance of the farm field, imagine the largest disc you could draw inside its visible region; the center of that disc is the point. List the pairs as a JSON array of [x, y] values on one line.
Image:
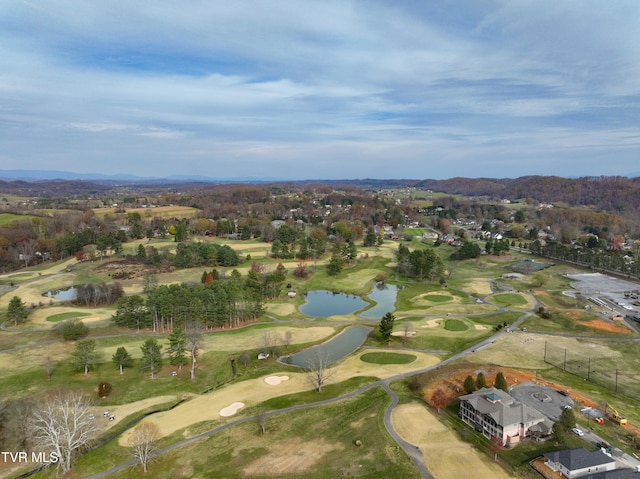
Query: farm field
[[442, 319]]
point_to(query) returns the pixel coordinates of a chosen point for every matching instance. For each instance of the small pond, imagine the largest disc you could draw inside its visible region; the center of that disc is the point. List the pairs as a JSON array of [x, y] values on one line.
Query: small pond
[[322, 304], [385, 297], [333, 350], [65, 294]]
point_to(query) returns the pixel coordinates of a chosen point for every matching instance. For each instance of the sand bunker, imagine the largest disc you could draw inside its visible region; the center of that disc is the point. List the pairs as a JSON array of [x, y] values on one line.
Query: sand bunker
[[432, 323], [231, 409], [409, 334], [480, 326], [275, 380]]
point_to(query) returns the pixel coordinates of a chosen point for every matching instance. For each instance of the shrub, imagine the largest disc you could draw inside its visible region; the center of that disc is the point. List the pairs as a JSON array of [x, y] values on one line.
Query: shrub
[[73, 329], [104, 389]]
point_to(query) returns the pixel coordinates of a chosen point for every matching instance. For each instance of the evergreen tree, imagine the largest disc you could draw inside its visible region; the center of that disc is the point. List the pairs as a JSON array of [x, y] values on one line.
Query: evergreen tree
[[177, 347], [386, 326], [85, 355], [501, 382], [141, 254], [335, 264], [481, 381], [122, 358], [17, 311], [151, 356], [469, 385]]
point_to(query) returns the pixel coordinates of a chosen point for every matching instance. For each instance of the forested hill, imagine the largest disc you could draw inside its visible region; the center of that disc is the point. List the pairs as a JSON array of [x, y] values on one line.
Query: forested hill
[[609, 193]]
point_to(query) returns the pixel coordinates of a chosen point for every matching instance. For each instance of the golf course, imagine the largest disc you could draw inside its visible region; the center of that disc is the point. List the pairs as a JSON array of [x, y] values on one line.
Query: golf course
[[238, 416]]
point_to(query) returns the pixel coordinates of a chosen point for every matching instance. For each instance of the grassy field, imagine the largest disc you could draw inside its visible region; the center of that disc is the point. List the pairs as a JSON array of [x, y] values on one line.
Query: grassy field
[[450, 317], [8, 218]]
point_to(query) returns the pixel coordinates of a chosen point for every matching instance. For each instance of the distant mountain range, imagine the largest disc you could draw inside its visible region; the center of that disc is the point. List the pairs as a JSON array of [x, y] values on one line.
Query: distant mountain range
[[48, 175]]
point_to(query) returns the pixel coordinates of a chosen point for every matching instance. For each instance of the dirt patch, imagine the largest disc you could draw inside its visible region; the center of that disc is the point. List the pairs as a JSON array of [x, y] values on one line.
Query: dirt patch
[[451, 381], [479, 286], [409, 334], [290, 457], [603, 325], [445, 456]]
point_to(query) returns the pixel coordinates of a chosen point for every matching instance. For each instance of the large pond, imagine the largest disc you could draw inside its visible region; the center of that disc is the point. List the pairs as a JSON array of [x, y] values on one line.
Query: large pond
[[66, 294], [333, 350], [322, 304]]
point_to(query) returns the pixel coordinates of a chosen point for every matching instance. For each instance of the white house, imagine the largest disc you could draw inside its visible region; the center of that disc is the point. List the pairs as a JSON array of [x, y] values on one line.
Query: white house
[[496, 414]]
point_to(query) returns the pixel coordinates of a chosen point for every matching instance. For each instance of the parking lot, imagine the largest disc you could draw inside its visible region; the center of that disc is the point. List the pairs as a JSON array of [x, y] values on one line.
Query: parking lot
[[547, 400], [606, 288]]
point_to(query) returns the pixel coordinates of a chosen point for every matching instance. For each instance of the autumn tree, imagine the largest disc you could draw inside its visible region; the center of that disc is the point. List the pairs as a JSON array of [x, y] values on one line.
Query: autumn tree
[[144, 440], [17, 311], [122, 358], [62, 425], [439, 399]]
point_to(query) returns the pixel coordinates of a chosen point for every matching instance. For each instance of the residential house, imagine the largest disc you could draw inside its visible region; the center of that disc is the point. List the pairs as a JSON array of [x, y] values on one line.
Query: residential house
[[580, 462], [497, 415]]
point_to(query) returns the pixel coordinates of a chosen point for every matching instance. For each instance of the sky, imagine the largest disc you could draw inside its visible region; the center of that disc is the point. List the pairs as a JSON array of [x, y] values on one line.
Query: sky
[[295, 90]]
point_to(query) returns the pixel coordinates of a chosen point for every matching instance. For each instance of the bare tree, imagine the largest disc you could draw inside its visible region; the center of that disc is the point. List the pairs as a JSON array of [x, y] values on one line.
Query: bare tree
[[406, 331], [144, 441], [62, 425], [268, 341], [14, 417], [288, 337], [317, 371], [193, 333], [49, 366], [262, 421], [25, 250]]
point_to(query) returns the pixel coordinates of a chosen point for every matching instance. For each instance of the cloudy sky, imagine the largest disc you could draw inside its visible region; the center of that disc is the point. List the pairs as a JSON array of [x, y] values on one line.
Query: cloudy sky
[[321, 89]]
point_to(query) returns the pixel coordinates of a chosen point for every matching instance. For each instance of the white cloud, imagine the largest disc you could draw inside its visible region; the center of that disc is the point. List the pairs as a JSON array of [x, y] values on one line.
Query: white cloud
[[320, 86]]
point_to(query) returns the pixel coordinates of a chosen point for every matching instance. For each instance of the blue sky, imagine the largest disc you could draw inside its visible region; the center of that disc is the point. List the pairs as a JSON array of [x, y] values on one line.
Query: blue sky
[[321, 89]]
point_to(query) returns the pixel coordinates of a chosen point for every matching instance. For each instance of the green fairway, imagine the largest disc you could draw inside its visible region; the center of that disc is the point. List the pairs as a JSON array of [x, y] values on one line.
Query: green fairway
[[387, 358], [54, 318]]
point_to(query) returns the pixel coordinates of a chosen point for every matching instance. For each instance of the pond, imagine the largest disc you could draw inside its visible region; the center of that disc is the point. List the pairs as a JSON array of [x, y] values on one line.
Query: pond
[[65, 294], [385, 297], [322, 304], [333, 350]]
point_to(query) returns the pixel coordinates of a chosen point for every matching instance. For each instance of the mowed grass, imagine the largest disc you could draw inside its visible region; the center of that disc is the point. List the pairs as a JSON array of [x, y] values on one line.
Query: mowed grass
[[160, 211], [54, 318], [8, 218], [388, 358], [455, 325], [316, 443]]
